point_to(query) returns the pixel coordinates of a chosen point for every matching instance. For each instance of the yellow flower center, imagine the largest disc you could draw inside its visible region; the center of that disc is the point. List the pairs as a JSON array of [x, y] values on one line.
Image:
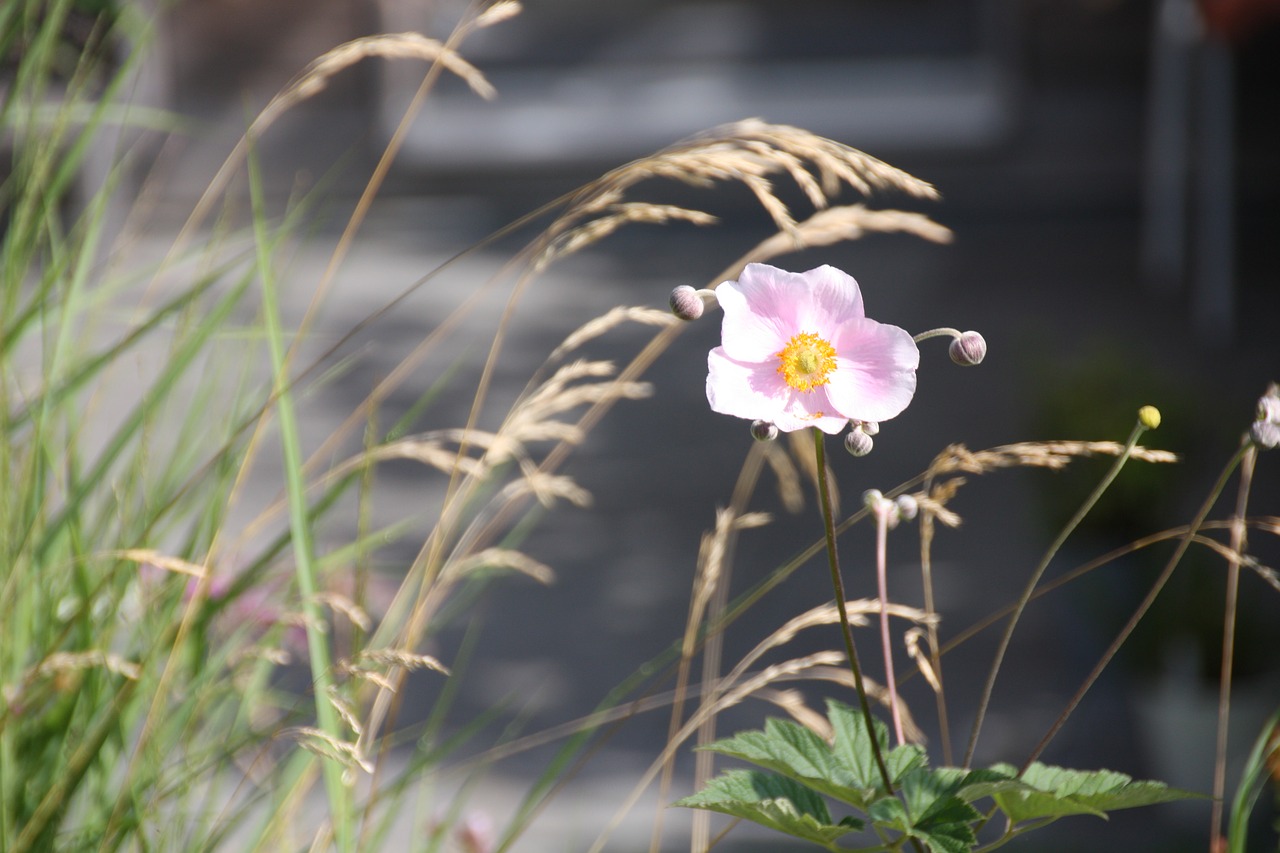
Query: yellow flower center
[[806, 361]]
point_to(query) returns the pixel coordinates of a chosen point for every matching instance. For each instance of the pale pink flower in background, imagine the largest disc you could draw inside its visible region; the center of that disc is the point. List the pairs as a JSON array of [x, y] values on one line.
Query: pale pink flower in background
[[797, 350]]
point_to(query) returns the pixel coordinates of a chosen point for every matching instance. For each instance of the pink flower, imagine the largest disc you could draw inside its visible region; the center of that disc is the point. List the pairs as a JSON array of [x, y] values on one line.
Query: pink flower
[[797, 350]]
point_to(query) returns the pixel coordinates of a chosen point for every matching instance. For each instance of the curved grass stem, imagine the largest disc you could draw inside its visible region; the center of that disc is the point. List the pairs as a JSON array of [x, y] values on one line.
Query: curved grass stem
[[1183, 544], [1229, 641], [1029, 590]]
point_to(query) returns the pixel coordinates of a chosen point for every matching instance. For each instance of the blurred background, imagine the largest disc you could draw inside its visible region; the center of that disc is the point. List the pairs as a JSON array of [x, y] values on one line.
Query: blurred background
[[1111, 170]]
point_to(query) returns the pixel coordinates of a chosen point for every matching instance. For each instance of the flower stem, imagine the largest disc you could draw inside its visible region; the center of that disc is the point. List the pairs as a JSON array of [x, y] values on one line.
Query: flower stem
[[882, 579], [1030, 588], [1165, 574], [824, 496], [936, 333], [1229, 639]]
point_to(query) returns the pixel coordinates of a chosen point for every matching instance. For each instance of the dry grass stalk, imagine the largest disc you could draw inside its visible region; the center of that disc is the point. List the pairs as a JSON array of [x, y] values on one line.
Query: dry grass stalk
[[411, 661], [338, 603], [501, 11], [148, 557], [500, 558], [617, 215], [784, 469], [344, 709], [750, 152], [787, 670], [841, 675], [711, 554], [319, 742], [62, 662], [792, 701], [547, 489], [316, 76], [826, 614], [921, 658], [606, 322], [1054, 455]]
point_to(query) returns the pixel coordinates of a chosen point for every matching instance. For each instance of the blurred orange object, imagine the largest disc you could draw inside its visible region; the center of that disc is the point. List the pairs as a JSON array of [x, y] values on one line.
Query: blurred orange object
[[1237, 20]]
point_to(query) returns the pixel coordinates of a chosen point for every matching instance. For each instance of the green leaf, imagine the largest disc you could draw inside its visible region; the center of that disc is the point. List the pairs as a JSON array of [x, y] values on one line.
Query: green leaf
[[773, 801], [799, 754], [852, 745], [931, 811], [1052, 792]]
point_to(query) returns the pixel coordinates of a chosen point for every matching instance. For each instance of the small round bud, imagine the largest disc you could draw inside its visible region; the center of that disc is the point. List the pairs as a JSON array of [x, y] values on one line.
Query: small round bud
[[872, 497], [968, 350], [1149, 417], [908, 507], [1265, 434], [763, 431], [857, 442], [869, 427], [686, 303]]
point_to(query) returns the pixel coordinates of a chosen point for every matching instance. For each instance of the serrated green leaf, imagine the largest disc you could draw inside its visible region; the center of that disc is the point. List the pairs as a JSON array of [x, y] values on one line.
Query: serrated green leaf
[[930, 811], [773, 801], [1058, 791], [852, 747], [799, 754]]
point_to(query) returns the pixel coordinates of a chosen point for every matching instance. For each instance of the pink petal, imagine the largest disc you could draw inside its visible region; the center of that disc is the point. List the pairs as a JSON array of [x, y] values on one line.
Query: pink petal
[[833, 299], [766, 306], [875, 376], [756, 390], [744, 389]]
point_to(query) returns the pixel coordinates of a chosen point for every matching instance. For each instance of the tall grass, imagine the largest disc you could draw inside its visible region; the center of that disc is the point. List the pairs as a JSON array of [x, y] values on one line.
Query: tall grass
[[185, 670]]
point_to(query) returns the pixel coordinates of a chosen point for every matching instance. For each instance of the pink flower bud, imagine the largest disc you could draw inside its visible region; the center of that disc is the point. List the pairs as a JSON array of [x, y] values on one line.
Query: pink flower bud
[[858, 443], [686, 303], [763, 431], [968, 350]]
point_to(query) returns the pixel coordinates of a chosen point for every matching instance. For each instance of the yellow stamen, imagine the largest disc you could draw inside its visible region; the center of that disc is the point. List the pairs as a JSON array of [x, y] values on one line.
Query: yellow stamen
[[807, 361]]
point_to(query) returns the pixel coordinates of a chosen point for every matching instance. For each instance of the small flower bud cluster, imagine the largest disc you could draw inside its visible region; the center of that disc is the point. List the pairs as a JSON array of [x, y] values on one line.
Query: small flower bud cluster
[[858, 440], [1265, 431], [895, 510]]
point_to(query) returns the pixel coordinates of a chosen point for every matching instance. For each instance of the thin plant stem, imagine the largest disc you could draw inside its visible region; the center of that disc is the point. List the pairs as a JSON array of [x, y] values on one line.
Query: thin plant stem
[[703, 608], [882, 510], [1183, 544], [935, 654], [1027, 592], [1229, 642], [829, 528], [300, 525]]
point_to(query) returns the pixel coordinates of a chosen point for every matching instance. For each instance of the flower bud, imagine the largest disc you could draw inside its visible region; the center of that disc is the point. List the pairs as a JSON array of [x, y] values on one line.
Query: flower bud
[[871, 497], [869, 427], [686, 303], [857, 442], [1149, 417], [968, 350], [1269, 405], [908, 507], [763, 431], [1265, 434]]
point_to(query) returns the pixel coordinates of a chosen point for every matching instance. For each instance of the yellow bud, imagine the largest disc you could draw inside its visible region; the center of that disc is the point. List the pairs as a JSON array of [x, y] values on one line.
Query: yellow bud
[[1149, 417]]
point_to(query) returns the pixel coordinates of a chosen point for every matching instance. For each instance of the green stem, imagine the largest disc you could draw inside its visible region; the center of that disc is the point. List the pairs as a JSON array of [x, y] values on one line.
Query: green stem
[[837, 582], [1030, 588], [300, 523], [1229, 639], [1129, 627]]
